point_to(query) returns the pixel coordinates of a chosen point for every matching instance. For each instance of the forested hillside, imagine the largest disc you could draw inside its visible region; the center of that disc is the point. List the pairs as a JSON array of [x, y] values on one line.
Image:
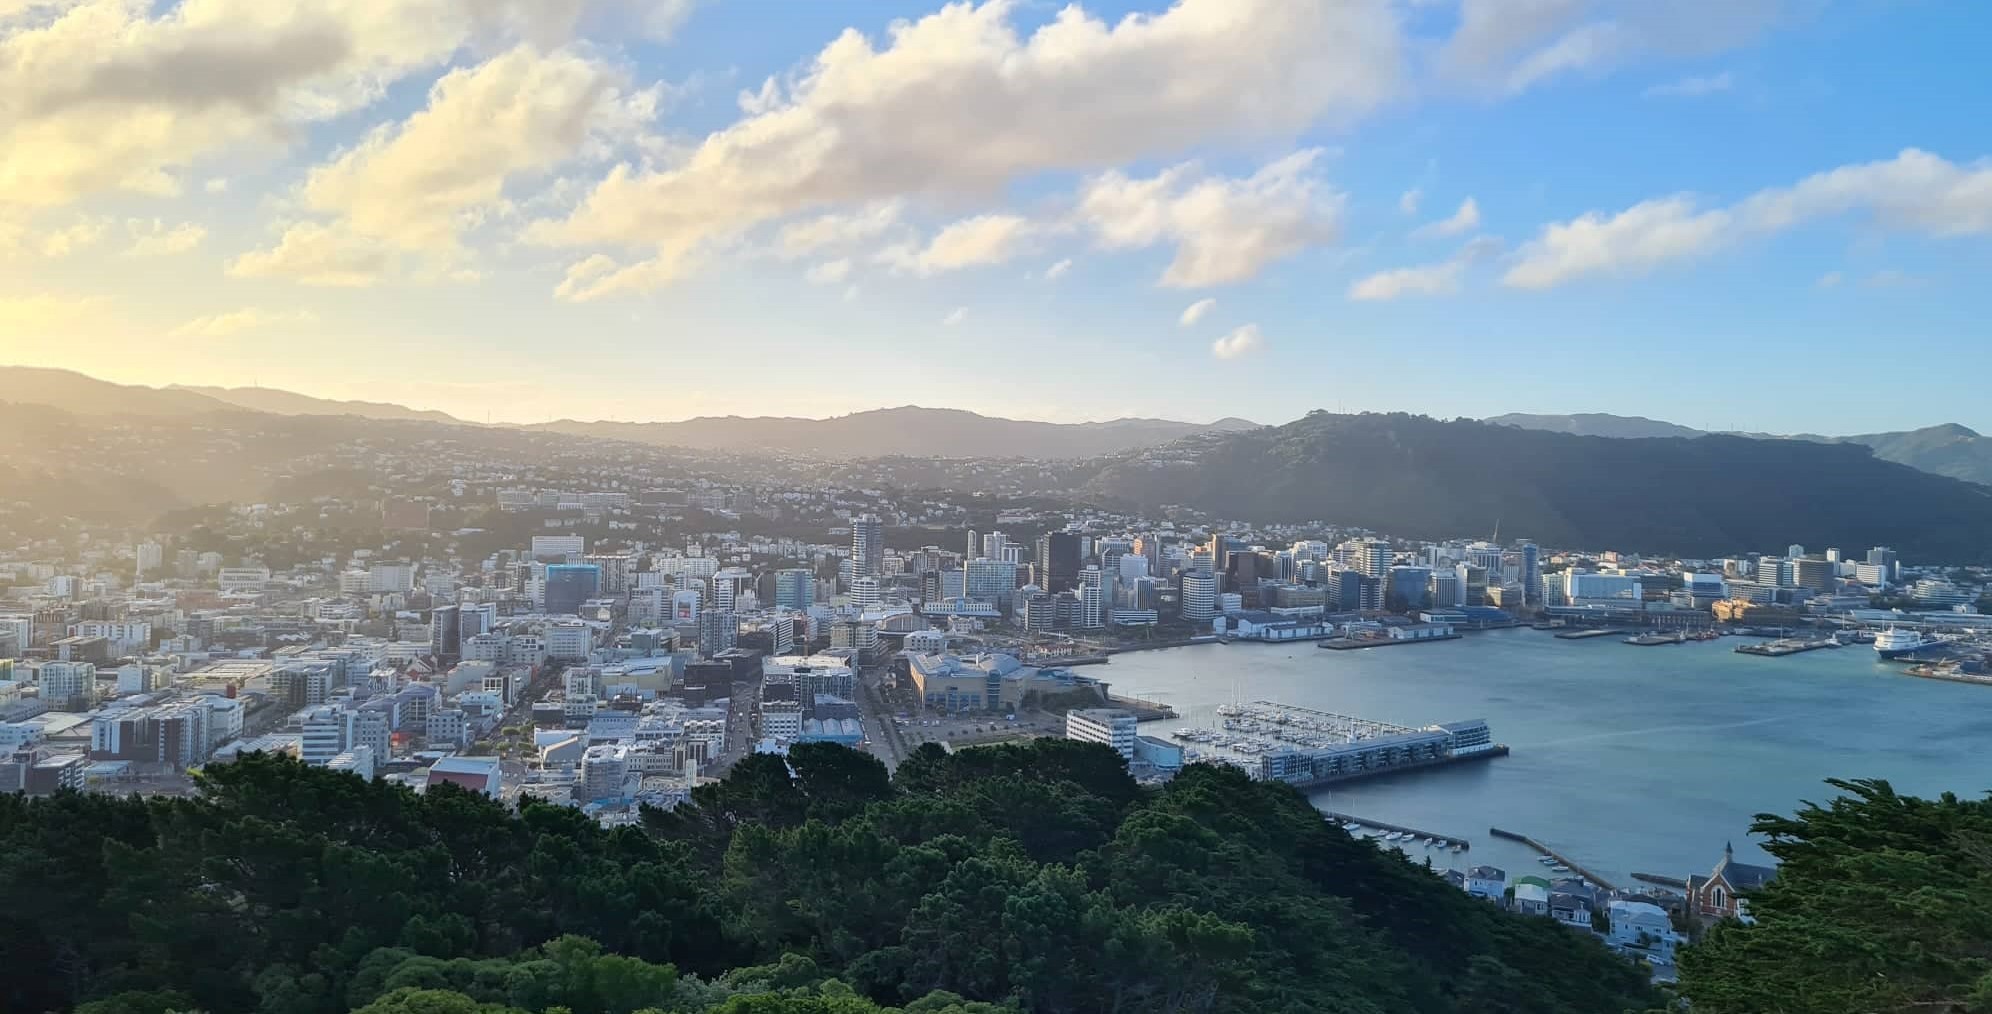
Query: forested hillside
[[1027, 877]]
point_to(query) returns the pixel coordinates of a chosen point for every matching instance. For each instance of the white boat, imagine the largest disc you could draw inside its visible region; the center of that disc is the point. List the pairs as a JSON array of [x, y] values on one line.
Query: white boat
[[1895, 642]]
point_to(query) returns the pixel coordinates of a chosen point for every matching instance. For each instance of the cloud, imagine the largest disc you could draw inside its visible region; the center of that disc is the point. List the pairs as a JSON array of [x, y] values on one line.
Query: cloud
[[313, 254], [1915, 192], [829, 272], [1441, 279], [1691, 87], [1829, 280], [418, 184], [222, 325], [83, 234], [1058, 269], [840, 231], [1196, 311], [971, 242], [43, 315], [1240, 342], [955, 316], [1463, 221], [155, 238], [1225, 230], [1409, 200], [1513, 45], [959, 103]]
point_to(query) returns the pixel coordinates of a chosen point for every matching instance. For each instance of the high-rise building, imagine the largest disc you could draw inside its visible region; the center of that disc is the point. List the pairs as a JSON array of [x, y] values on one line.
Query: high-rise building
[[1373, 558], [795, 588], [67, 686], [1814, 573], [864, 592], [1199, 597], [988, 580], [867, 546], [446, 632], [1794, 551], [568, 585], [1531, 573], [1884, 557], [719, 630], [1058, 561]]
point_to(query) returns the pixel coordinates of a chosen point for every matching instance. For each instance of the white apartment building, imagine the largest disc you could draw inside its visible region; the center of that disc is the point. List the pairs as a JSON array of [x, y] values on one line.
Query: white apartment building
[[558, 546], [1110, 727], [67, 686]]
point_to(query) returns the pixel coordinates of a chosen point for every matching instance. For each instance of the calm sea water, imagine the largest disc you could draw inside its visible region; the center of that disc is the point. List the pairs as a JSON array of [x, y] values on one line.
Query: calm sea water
[[1624, 758]]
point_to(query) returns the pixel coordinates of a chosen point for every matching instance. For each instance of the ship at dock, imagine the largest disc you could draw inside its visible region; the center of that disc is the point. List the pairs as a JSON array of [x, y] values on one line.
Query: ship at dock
[[1896, 642]]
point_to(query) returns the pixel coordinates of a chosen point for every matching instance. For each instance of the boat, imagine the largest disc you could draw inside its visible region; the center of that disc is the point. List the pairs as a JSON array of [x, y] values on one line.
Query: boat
[[1560, 868], [1895, 642]]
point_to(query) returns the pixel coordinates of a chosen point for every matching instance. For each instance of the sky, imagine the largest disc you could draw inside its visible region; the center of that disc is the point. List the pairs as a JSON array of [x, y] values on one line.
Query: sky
[[1770, 215]]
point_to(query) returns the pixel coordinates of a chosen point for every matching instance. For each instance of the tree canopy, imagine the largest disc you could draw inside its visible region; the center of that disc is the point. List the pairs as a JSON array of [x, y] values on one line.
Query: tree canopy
[[1023, 878], [1882, 902]]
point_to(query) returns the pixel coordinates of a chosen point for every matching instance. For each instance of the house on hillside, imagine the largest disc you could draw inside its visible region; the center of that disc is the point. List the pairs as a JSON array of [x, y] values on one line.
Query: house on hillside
[[1642, 928], [1720, 894], [1486, 882]]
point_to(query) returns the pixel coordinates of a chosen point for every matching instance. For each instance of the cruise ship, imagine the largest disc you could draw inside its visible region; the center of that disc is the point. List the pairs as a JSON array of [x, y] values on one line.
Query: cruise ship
[[1895, 643]]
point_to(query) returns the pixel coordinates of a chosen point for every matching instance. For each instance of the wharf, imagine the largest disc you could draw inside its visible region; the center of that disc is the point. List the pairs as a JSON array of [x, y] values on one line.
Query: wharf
[[1444, 839], [1655, 878], [1553, 854], [1584, 635], [1939, 671], [1497, 750], [1144, 710], [1786, 646], [1352, 643], [1650, 640]]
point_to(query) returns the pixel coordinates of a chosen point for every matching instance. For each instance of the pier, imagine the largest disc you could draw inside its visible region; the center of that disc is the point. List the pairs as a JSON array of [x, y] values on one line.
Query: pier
[[1784, 646], [1585, 635], [1352, 643], [1443, 839], [1575, 867], [1654, 878]]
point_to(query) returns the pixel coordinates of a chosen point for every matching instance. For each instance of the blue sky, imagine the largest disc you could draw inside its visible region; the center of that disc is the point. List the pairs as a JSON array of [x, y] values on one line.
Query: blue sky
[[1742, 214]]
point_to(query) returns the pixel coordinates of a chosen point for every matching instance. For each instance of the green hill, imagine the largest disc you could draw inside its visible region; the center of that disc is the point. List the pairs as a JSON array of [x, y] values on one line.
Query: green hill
[[1419, 477], [1032, 877]]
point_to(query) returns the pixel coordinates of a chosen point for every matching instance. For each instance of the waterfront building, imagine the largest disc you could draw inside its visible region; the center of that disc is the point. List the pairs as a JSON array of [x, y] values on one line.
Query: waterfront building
[[1531, 574], [1109, 727], [1199, 596]]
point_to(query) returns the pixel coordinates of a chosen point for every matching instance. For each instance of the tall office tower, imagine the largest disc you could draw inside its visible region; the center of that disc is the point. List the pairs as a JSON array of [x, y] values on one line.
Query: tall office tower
[[974, 548], [1095, 594], [446, 632], [568, 585], [719, 630], [1531, 574], [1373, 558], [795, 588], [986, 580], [1199, 599], [867, 546], [1058, 561], [1883, 557]]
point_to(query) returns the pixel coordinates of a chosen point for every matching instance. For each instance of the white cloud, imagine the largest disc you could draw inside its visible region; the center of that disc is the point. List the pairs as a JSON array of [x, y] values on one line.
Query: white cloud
[[1463, 221], [1225, 230], [1240, 342], [313, 254], [1915, 191], [958, 104], [104, 95], [1196, 311], [971, 242], [840, 231], [1692, 87], [1829, 280], [222, 325], [1512, 45], [84, 233], [217, 185], [1441, 279], [829, 272], [417, 184], [1058, 269], [155, 238], [956, 316], [1409, 200]]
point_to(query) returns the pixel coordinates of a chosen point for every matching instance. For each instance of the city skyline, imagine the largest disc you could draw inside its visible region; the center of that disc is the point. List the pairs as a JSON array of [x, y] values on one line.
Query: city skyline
[[1587, 210]]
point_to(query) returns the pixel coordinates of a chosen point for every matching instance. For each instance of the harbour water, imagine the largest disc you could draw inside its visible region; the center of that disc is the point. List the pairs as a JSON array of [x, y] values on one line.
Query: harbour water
[[1624, 758]]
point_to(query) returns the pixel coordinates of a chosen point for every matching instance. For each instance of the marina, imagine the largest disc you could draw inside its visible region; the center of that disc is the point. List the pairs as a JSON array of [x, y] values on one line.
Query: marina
[[1562, 863], [1621, 760]]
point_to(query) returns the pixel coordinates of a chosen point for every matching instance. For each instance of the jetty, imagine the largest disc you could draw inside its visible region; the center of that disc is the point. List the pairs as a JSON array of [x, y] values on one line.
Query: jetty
[[1575, 867], [1446, 840], [1785, 646], [1353, 643], [1655, 878], [1585, 635]]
